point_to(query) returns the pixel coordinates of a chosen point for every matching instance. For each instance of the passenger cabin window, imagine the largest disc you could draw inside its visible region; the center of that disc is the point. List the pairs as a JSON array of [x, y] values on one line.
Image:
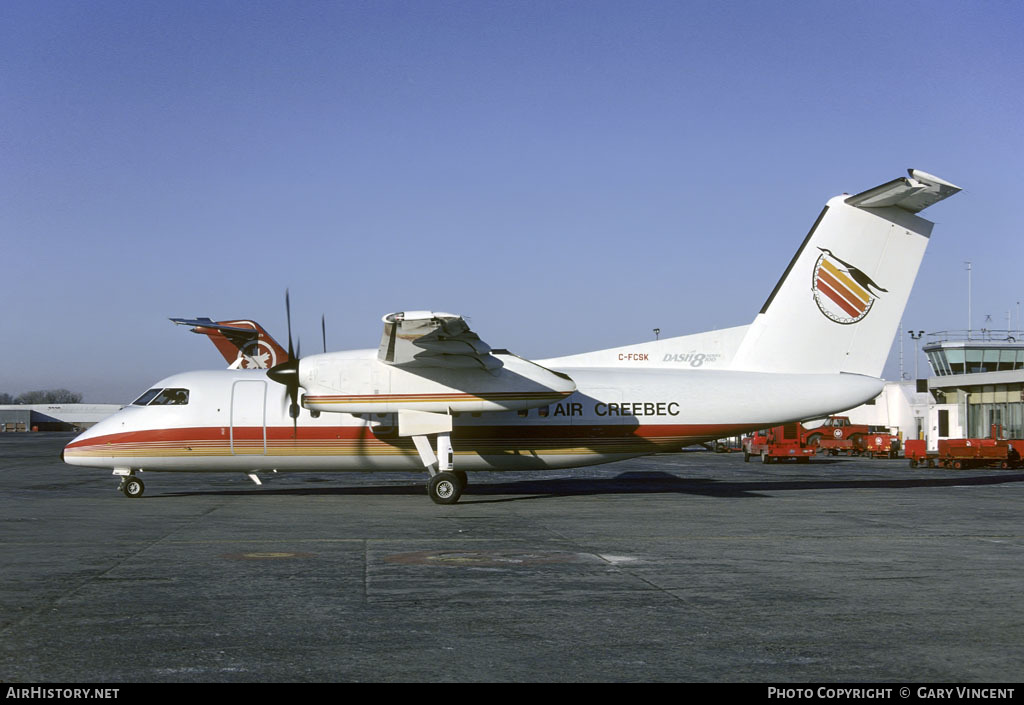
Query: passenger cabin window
[[163, 397]]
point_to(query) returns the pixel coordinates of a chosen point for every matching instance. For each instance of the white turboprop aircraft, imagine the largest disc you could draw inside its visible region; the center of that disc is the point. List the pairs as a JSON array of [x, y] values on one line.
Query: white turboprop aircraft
[[434, 396]]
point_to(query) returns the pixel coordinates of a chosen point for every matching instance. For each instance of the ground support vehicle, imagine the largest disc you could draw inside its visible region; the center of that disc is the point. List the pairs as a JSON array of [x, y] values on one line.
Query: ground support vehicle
[[959, 453], [838, 435], [879, 443], [731, 444], [779, 443], [917, 455]]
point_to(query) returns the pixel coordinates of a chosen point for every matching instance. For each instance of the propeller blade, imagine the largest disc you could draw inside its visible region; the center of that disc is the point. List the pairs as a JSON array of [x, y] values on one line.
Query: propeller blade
[[323, 330], [287, 373], [288, 315]]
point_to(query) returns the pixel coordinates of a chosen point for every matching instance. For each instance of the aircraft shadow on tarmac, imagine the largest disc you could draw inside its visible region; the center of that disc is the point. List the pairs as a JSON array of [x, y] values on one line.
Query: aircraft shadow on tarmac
[[624, 483]]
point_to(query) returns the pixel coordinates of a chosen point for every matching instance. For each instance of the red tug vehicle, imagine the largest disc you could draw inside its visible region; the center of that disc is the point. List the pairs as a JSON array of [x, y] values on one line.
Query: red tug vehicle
[[783, 442]]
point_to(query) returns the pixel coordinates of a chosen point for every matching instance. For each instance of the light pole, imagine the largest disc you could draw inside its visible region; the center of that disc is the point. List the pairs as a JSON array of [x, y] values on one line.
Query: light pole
[[657, 332], [968, 300], [916, 336]]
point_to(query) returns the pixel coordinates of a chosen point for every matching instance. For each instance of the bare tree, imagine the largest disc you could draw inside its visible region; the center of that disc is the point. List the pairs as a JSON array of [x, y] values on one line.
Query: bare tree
[[49, 396]]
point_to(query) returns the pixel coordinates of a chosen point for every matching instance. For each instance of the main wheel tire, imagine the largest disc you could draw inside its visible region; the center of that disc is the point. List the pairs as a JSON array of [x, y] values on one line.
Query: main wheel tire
[[444, 488], [133, 487], [463, 480]]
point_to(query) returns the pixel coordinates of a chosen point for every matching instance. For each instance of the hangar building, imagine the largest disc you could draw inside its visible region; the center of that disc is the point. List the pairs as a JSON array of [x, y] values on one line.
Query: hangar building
[[52, 417]]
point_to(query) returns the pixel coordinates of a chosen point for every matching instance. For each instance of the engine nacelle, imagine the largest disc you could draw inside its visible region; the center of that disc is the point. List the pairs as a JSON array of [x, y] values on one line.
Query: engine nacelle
[[340, 382]]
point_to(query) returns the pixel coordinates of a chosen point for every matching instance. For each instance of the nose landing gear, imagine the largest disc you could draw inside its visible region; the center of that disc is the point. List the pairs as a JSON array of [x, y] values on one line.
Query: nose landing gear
[[132, 486]]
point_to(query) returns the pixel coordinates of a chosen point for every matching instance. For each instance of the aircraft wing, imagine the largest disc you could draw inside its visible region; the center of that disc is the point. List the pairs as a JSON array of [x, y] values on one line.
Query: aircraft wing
[[429, 339]]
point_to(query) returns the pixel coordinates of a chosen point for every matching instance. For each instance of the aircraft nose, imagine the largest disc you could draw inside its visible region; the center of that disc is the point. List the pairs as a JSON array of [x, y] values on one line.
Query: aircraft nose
[[73, 452]]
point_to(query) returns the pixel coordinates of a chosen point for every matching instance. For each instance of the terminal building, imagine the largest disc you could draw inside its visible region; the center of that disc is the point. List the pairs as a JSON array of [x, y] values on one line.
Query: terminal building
[[976, 382]]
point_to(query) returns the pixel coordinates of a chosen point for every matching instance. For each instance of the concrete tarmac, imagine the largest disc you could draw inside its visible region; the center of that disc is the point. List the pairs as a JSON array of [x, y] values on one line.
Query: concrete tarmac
[[690, 566]]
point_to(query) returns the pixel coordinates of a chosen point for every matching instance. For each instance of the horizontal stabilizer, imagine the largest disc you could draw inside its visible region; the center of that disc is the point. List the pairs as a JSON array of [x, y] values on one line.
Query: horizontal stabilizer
[[246, 333], [913, 193]]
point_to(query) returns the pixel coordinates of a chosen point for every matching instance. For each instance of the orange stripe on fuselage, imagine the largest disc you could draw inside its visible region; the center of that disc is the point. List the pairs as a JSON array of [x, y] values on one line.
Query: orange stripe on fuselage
[[439, 396]]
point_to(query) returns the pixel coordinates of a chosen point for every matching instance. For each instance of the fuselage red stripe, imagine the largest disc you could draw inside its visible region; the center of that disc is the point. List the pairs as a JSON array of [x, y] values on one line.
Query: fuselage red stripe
[[467, 437]]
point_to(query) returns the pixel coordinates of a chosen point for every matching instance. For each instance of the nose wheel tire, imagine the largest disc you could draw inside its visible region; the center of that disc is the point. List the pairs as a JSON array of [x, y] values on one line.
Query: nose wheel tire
[[132, 487], [445, 488]]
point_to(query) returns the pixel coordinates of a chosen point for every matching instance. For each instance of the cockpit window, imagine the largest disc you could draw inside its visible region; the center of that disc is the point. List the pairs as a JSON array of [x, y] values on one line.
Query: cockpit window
[[171, 397], [146, 398], [163, 397]]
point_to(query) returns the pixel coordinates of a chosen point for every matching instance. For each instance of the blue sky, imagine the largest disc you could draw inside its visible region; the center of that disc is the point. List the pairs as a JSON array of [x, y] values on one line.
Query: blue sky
[[569, 175]]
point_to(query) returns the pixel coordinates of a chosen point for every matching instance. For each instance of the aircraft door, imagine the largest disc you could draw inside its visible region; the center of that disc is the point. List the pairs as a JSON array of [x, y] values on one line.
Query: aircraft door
[[249, 417]]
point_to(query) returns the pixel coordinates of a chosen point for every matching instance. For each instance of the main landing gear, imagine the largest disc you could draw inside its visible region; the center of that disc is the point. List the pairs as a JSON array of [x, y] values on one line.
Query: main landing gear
[[446, 487], [446, 484]]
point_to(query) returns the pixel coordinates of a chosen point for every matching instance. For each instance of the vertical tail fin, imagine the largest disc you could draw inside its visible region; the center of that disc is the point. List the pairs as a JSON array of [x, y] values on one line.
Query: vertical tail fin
[[244, 344], [840, 301]]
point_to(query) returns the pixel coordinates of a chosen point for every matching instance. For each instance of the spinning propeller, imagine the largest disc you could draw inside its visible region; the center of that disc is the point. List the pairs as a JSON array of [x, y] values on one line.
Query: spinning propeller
[[287, 373]]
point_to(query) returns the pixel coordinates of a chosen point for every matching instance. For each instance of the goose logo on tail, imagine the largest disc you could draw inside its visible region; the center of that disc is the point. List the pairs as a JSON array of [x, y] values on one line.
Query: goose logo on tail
[[256, 354], [842, 292]]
